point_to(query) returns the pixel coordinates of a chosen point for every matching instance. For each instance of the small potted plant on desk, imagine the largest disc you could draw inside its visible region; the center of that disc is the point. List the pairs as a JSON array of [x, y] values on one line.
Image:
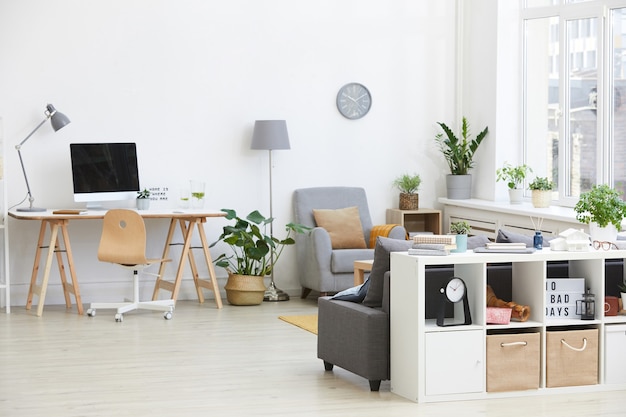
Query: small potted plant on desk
[[541, 188], [603, 209], [461, 229], [514, 177], [254, 255], [143, 199], [408, 186], [459, 155], [622, 290]]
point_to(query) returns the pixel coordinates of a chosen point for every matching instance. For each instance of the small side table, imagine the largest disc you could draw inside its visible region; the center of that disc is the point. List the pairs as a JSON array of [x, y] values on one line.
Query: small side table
[[420, 220], [360, 267]]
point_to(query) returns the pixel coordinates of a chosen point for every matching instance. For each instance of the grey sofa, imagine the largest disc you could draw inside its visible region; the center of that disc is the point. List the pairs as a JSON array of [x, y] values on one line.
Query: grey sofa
[[322, 268]]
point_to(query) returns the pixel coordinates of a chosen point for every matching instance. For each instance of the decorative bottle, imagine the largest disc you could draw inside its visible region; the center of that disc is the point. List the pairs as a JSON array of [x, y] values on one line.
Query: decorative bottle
[[538, 240]]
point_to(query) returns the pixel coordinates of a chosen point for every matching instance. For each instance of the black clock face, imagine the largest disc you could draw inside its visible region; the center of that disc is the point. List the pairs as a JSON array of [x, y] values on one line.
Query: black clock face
[[455, 290], [354, 101]]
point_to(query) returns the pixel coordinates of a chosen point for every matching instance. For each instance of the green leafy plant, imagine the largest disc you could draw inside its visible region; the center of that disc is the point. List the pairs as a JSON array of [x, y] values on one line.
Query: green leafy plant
[[514, 176], [602, 205], [460, 228], [541, 183], [622, 287], [408, 184], [143, 194], [255, 252], [459, 153]]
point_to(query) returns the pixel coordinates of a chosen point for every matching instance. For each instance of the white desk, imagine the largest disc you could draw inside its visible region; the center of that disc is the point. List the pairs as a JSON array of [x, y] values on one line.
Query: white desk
[[188, 221]]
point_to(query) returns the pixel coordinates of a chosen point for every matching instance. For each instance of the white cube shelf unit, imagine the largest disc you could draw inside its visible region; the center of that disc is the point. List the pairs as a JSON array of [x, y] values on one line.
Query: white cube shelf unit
[[431, 363]]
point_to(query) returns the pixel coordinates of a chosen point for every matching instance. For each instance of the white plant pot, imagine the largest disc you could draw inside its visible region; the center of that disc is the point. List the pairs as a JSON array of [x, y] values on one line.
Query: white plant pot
[[459, 187], [624, 300], [602, 234], [515, 195], [541, 198]]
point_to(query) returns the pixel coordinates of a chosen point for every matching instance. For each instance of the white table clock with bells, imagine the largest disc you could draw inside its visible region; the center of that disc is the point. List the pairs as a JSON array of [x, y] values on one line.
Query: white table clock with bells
[[454, 292]]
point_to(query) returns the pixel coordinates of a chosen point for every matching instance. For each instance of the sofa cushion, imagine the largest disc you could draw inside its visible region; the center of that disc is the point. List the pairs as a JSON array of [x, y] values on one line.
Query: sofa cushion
[[477, 241], [506, 236], [354, 294], [343, 226], [384, 246]]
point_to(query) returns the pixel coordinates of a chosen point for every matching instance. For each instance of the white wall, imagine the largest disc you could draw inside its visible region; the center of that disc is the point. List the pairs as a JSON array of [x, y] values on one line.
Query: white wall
[[187, 79]]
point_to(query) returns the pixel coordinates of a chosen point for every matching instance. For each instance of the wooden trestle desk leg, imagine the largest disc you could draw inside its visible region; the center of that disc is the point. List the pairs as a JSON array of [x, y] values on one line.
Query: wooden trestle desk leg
[[187, 227], [54, 249]]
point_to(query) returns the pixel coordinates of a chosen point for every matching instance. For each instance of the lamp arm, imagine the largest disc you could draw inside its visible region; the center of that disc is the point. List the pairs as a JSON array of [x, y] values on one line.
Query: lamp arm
[[19, 154]]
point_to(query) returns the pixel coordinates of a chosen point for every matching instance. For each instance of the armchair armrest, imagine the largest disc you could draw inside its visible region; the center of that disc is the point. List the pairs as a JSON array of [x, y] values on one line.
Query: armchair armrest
[[393, 231]]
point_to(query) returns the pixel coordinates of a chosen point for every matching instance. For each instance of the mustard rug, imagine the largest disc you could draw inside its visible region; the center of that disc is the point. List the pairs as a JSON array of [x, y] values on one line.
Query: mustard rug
[[308, 323]]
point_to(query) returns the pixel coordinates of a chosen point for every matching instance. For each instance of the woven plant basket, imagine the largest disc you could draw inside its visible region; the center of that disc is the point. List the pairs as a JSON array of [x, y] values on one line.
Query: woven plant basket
[[541, 198], [409, 201], [244, 290]]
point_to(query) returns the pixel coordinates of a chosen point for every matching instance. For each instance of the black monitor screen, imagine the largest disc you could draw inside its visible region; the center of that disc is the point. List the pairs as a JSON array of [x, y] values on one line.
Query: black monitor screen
[[104, 167]]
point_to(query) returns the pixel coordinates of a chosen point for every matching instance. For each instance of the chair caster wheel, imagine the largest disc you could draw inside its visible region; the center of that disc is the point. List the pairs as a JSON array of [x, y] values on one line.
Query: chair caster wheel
[[91, 312], [119, 318], [167, 315]]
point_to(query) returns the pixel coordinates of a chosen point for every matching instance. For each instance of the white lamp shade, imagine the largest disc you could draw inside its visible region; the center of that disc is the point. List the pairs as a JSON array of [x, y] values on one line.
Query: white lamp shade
[[270, 135]]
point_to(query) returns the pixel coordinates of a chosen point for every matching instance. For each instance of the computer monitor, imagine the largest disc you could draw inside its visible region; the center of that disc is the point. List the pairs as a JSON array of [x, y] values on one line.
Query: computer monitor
[[104, 172]]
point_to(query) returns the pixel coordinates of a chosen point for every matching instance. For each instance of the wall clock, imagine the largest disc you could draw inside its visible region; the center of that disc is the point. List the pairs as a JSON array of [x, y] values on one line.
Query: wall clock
[[454, 292], [354, 101]]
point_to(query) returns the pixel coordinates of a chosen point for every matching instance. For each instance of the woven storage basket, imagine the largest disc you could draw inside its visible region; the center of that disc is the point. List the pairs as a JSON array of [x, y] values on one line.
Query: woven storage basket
[[513, 362], [244, 290], [409, 201], [572, 358], [541, 198]]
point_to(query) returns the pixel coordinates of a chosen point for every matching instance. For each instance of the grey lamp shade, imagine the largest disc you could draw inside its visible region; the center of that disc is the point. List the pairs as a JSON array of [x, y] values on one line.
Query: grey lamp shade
[[57, 119], [270, 135]]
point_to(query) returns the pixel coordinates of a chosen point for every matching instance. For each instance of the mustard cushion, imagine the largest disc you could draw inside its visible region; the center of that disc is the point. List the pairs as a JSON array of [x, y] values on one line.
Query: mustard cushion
[[343, 226]]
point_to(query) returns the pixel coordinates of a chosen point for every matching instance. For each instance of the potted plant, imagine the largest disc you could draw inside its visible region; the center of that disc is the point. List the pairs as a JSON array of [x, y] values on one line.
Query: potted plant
[[461, 229], [254, 255], [143, 199], [541, 188], [459, 155], [408, 186], [622, 290], [514, 177], [603, 209]]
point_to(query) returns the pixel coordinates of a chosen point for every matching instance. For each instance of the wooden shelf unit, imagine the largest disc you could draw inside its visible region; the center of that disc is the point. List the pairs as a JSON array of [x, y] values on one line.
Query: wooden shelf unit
[[420, 220], [421, 352]]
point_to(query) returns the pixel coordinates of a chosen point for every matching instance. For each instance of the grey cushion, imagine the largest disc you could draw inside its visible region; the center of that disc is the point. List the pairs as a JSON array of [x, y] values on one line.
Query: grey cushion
[[384, 246], [506, 236], [477, 241], [354, 294]]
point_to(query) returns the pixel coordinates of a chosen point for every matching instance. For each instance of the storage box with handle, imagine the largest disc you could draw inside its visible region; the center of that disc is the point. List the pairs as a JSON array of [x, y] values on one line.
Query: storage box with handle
[[571, 357], [513, 362]]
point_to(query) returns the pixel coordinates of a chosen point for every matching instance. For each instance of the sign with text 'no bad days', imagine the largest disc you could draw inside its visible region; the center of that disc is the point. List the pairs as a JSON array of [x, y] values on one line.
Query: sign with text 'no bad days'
[[561, 297]]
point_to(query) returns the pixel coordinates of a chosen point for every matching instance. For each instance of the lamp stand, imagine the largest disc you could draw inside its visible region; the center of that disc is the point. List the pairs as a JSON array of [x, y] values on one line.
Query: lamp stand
[[31, 199], [272, 293]]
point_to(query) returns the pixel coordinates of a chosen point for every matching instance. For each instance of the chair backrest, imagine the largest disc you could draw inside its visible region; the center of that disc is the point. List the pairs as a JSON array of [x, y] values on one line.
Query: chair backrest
[[123, 239], [307, 199]]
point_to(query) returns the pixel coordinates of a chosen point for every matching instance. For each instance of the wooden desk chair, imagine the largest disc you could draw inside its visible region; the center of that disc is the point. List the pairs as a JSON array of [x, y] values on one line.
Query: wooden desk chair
[[123, 242]]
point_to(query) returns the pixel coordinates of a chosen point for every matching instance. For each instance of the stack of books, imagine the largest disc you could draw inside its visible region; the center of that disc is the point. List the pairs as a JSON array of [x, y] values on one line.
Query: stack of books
[[505, 248], [429, 249]]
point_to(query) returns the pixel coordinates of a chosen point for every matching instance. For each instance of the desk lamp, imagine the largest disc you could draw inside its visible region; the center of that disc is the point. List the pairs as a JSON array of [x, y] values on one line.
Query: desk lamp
[[58, 120], [270, 135]]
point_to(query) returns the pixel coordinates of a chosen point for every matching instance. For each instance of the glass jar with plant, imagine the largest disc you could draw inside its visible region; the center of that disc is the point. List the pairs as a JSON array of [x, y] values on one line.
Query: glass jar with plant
[[514, 177], [459, 155], [461, 229], [541, 189], [603, 209], [408, 186]]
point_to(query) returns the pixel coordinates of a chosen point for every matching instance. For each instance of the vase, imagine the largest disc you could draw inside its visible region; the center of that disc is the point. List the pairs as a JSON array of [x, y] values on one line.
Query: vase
[[143, 203], [409, 201], [459, 187], [602, 234], [244, 290], [461, 244], [515, 195], [623, 294], [541, 198]]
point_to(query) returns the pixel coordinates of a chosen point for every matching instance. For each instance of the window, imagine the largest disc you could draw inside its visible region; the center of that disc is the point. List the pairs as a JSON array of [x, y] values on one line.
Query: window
[[574, 84]]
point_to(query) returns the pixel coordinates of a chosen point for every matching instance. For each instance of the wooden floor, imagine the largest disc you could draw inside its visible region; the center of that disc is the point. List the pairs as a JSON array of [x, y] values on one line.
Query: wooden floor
[[205, 362]]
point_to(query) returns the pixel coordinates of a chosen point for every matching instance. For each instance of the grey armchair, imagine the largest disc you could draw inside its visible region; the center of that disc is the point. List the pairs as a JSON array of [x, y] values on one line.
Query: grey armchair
[[322, 268]]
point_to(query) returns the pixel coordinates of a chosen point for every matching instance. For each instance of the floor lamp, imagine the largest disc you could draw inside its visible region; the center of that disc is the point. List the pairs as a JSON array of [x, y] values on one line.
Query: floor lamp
[[271, 135], [58, 120]]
